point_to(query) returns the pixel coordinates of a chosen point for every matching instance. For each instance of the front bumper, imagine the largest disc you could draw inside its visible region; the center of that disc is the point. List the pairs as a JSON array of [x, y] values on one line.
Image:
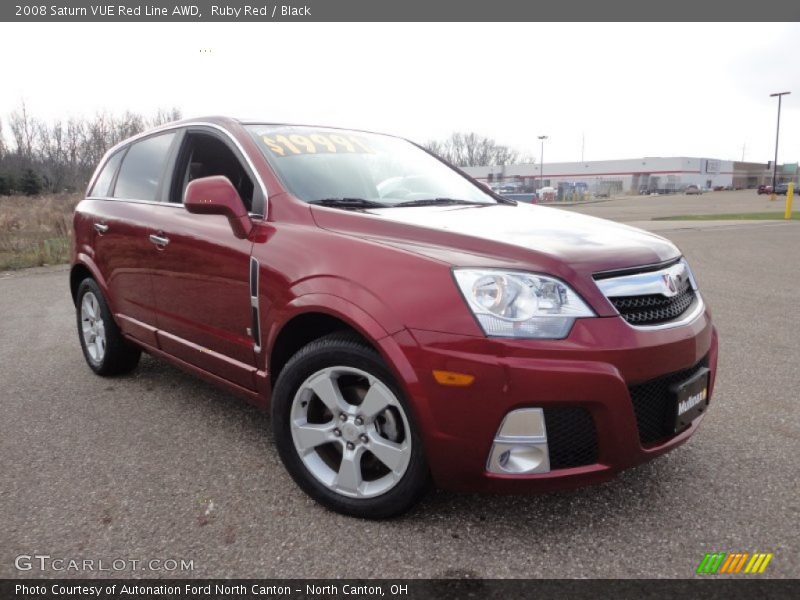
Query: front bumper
[[593, 368]]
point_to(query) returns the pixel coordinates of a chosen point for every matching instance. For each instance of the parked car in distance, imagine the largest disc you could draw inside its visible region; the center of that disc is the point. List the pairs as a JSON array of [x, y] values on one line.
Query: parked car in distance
[[526, 197], [782, 189], [692, 190], [402, 323], [764, 189], [507, 189]]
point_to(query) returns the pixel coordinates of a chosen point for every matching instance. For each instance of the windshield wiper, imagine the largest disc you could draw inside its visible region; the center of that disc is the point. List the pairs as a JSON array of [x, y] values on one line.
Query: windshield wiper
[[363, 203], [348, 203], [440, 202]]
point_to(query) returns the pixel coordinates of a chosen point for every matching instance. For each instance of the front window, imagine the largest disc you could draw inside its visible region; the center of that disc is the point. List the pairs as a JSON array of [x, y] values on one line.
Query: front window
[[318, 164]]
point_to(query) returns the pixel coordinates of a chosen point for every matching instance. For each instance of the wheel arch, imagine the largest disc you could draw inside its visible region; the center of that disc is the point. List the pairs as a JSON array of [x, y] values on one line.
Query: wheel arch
[[82, 268], [341, 314], [311, 317]]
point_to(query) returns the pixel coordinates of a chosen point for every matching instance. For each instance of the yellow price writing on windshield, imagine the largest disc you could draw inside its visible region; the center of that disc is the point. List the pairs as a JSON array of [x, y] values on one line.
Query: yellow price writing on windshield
[[315, 143]]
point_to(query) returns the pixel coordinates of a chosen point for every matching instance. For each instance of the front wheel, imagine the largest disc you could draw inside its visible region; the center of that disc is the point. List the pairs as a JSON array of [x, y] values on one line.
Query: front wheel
[[345, 432]]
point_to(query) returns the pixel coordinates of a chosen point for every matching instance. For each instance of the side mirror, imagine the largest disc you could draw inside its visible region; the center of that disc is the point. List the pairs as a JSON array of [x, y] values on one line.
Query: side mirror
[[216, 195]]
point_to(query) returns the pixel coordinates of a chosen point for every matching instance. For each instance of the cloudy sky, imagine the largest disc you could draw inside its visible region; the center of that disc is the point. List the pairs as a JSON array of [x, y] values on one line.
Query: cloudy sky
[[629, 90]]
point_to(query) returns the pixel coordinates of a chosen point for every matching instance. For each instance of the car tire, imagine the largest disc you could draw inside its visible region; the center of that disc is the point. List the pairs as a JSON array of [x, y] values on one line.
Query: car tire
[[105, 349], [342, 470]]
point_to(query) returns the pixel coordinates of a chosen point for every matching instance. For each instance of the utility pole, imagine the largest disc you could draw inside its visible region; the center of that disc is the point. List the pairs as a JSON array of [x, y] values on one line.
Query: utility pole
[[583, 144], [780, 96], [542, 138]]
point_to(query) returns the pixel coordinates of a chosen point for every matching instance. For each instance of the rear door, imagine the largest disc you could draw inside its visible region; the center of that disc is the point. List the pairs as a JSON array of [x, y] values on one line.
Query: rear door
[[127, 194], [202, 276]]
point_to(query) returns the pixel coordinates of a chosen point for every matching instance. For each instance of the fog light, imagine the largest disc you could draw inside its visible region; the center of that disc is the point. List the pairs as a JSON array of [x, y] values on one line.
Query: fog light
[[520, 446], [519, 459]]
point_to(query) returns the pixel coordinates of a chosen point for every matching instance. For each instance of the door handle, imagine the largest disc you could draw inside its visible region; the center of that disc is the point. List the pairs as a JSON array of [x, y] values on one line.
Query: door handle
[[100, 227], [159, 240]]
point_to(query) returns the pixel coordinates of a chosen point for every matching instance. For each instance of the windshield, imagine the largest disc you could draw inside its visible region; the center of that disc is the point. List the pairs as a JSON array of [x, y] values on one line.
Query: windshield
[[318, 164]]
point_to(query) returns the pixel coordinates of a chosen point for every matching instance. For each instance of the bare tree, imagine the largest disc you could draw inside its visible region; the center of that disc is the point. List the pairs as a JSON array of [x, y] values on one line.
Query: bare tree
[[62, 155], [165, 116], [2, 142], [473, 150], [23, 130], [73, 145], [438, 148]]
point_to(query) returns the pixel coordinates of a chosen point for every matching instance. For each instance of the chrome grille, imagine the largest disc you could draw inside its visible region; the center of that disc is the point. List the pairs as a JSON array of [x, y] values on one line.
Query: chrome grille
[[654, 308], [654, 296]]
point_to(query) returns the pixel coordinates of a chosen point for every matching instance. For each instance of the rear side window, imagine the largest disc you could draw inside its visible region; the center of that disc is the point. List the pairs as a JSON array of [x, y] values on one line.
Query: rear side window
[[142, 168], [103, 181]]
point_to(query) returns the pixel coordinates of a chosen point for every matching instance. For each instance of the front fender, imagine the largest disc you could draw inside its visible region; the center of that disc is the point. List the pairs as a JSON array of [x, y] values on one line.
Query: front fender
[[329, 304], [392, 346], [352, 293]]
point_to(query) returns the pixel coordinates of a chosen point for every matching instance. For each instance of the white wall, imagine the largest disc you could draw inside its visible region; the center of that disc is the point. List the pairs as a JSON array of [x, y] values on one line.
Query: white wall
[[670, 171]]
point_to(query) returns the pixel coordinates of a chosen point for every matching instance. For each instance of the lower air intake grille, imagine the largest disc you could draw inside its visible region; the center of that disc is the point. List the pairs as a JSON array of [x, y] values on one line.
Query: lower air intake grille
[[654, 404], [571, 437]]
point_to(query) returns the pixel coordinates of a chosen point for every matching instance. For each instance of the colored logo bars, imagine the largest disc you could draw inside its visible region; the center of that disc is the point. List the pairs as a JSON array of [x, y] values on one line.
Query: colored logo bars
[[733, 562]]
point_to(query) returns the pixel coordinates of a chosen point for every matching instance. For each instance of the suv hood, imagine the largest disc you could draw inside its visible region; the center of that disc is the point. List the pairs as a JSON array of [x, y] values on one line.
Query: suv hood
[[530, 235]]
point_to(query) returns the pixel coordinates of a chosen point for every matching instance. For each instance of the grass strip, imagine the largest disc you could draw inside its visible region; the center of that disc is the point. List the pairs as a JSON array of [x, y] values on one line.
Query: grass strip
[[758, 216]]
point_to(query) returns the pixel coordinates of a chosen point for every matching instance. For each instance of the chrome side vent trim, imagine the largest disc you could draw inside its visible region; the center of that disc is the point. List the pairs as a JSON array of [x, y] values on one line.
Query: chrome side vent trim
[[255, 327]]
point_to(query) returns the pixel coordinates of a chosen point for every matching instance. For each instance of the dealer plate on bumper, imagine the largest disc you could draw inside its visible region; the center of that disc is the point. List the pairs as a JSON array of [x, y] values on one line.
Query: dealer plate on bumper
[[691, 398]]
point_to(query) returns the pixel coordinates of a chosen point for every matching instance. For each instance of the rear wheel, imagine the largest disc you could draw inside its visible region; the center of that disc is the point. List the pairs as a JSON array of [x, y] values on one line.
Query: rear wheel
[[345, 432], [105, 349]]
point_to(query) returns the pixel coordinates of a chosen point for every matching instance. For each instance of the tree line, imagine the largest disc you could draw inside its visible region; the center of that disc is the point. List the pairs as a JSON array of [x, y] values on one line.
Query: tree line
[[474, 150], [60, 156]]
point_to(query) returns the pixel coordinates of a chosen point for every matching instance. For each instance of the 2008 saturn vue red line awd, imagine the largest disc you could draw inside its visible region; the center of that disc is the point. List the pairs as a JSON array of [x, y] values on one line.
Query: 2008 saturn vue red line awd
[[404, 324]]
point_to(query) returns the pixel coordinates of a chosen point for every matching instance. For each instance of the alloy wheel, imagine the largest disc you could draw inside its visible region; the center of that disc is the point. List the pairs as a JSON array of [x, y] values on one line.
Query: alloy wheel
[[93, 327], [351, 432]]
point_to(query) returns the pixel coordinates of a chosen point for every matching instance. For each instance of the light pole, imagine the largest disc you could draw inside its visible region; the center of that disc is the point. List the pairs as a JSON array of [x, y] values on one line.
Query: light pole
[[542, 138], [780, 96]]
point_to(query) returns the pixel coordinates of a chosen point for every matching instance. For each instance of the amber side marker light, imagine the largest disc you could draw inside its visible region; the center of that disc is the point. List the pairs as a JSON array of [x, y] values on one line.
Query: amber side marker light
[[453, 378]]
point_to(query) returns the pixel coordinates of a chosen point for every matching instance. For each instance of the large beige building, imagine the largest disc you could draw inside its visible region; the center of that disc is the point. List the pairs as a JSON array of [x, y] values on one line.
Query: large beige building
[[663, 174]]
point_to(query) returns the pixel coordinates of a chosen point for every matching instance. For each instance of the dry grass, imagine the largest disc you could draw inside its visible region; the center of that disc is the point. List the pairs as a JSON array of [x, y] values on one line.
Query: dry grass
[[35, 231]]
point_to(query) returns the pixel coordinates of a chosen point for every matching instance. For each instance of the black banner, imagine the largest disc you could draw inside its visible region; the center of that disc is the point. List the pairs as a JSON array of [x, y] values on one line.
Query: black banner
[[295, 589], [407, 10]]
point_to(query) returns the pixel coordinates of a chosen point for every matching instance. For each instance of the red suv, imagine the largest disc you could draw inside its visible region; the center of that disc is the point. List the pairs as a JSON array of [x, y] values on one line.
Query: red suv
[[403, 323]]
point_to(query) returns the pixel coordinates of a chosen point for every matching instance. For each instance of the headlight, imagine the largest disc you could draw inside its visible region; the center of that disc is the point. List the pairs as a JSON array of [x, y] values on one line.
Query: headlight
[[524, 305]]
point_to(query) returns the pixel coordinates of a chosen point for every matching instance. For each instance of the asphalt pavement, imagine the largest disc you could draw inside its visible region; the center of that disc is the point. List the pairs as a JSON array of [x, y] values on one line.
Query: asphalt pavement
[[159, 465], [643, 208]]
